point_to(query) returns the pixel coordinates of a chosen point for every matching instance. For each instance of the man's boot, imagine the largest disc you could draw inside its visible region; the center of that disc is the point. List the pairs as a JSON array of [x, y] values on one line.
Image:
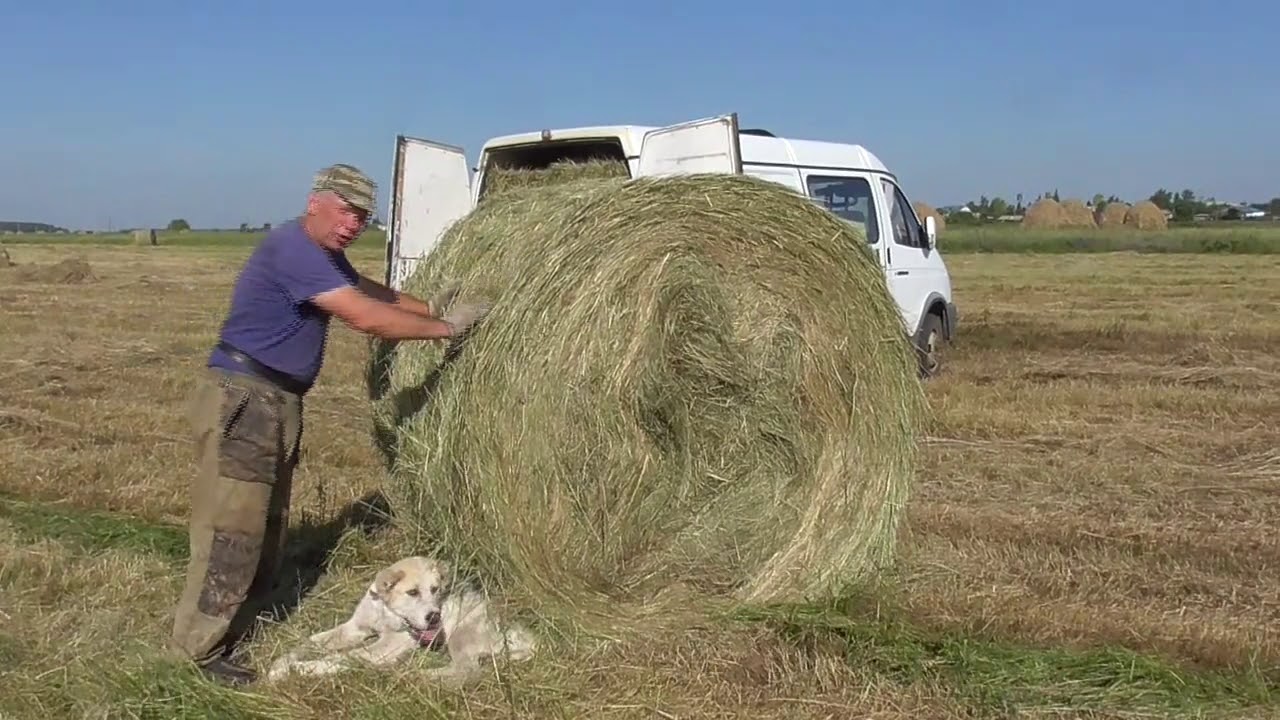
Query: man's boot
[[222, 670]]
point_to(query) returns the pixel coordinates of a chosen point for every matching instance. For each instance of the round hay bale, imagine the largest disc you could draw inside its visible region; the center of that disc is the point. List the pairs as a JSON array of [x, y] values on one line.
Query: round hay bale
[[144, 237], [1146, 216], [500, 180], [1075, 214], [1045, 213], [1111, 215], [924, 210], [5, 260], [664, 412]]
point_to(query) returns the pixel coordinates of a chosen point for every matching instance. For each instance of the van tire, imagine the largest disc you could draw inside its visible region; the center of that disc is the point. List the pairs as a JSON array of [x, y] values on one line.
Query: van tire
[[928, 345]]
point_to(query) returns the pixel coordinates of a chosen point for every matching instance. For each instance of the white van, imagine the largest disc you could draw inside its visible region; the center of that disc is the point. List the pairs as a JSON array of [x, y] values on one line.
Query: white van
[[432, 188]]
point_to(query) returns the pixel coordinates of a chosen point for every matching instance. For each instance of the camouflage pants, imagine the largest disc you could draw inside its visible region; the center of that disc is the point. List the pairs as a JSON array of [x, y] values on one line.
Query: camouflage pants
[[247, 436]]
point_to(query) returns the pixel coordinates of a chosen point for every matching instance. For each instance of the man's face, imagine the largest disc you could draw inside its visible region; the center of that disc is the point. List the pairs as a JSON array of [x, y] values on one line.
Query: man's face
[[338, 222]]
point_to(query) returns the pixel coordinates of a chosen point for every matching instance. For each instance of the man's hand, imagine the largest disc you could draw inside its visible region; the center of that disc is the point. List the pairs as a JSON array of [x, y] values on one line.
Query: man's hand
[[441, 300], [464, 316]]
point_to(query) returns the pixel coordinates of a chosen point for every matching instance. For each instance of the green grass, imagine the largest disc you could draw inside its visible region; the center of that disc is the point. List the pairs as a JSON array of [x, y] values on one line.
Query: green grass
[[1006, 677], [1254, 238], [1242, 238], [93, 532]]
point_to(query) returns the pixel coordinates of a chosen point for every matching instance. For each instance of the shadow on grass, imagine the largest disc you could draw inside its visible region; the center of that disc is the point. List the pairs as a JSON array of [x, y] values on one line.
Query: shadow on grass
[[308, 550]]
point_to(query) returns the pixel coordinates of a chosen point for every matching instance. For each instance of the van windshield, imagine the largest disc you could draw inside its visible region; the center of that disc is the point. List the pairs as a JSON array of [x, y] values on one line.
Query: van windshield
[[849, 198]]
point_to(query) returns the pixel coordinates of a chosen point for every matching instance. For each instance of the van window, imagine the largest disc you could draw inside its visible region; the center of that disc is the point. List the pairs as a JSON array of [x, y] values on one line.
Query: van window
[[849, 198], [902, 219]]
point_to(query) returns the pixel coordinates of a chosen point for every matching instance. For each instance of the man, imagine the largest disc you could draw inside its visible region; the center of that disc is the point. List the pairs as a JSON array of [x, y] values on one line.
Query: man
[[247, 414]]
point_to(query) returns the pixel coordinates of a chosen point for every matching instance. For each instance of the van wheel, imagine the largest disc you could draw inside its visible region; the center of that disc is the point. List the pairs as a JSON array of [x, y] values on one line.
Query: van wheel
[[929, 343]]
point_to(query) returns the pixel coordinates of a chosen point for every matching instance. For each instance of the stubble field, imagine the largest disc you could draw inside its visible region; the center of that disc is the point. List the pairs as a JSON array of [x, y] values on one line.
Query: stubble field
[[1094, 534]]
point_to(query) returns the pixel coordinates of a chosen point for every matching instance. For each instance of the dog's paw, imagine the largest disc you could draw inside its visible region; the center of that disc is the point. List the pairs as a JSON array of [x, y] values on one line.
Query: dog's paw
[[280, 668]]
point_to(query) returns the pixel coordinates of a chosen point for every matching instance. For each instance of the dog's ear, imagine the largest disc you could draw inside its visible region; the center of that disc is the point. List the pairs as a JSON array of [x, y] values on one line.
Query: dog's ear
[[444, 578], [386, 579]]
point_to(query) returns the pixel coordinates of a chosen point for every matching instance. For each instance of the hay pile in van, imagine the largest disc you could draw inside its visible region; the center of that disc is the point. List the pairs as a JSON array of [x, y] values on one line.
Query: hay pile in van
[[500, 180], [690, 391]]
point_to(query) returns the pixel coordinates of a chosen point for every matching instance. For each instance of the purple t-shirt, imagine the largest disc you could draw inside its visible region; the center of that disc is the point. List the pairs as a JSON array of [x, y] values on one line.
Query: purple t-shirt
[[271, 318]]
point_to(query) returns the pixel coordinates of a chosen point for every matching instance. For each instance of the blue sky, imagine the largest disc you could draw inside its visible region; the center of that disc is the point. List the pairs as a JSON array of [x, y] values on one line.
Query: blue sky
[[138, 112]]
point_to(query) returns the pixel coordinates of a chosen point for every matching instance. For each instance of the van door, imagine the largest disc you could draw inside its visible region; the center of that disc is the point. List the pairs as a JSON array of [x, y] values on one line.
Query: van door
[[911, 273], [710, 145], [430, 190], [849, 196]]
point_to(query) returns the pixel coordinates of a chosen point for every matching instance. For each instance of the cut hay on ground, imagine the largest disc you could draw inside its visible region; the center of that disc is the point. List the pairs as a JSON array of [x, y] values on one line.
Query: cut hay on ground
[[71, 271], [687, 388], [499, 181], [1112, 215], [1045, 213], [924, 210], [1075, 214], [1146, 215]]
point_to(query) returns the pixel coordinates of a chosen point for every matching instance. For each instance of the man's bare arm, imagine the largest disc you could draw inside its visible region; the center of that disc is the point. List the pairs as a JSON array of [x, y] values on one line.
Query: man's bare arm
[[368, 314], [402, 300]]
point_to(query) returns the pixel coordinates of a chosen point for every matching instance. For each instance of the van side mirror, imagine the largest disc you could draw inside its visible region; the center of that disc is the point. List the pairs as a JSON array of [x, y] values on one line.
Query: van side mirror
[[930, 231]]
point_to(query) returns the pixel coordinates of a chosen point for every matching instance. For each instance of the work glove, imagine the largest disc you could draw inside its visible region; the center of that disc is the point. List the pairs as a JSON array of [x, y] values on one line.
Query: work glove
[[441, 300], [463, 316]]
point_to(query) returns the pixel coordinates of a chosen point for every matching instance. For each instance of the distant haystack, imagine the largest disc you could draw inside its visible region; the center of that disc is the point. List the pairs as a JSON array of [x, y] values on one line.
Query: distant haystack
[[924, 210], [1076, 214], [1146, 216], [144, 237], [1046, 213], [5, 261], [1112, 215]]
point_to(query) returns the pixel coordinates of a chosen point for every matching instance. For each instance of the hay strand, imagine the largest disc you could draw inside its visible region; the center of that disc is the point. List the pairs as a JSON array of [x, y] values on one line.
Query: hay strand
[[690, 391]]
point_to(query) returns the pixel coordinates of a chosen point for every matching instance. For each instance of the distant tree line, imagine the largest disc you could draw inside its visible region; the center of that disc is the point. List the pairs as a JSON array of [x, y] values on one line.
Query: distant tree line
[[12, 226], [1184, 206]]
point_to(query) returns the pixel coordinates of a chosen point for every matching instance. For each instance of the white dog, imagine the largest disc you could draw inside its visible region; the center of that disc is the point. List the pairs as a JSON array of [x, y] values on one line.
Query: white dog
[[409, 605]]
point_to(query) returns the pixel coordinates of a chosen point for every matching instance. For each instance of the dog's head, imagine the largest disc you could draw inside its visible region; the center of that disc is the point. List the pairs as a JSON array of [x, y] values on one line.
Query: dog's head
[[414, 589]]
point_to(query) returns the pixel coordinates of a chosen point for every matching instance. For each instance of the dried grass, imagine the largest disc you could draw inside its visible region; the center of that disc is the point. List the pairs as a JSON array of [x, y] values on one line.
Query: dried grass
[[665, 404], [1045, 213], [1146, 216], [1056, 511], [500, 180], [71, 271]]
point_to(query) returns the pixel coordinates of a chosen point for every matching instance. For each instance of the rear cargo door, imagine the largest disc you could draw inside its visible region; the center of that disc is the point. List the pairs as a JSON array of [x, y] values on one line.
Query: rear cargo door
[[710, 145], [430, 190]]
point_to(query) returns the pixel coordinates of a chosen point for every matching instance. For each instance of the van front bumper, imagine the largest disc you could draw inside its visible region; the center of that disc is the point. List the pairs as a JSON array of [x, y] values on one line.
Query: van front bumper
[[952, 318]]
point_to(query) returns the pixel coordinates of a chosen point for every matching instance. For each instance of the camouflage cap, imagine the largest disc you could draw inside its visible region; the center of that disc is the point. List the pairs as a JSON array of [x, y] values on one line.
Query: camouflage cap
[[352, 185]]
